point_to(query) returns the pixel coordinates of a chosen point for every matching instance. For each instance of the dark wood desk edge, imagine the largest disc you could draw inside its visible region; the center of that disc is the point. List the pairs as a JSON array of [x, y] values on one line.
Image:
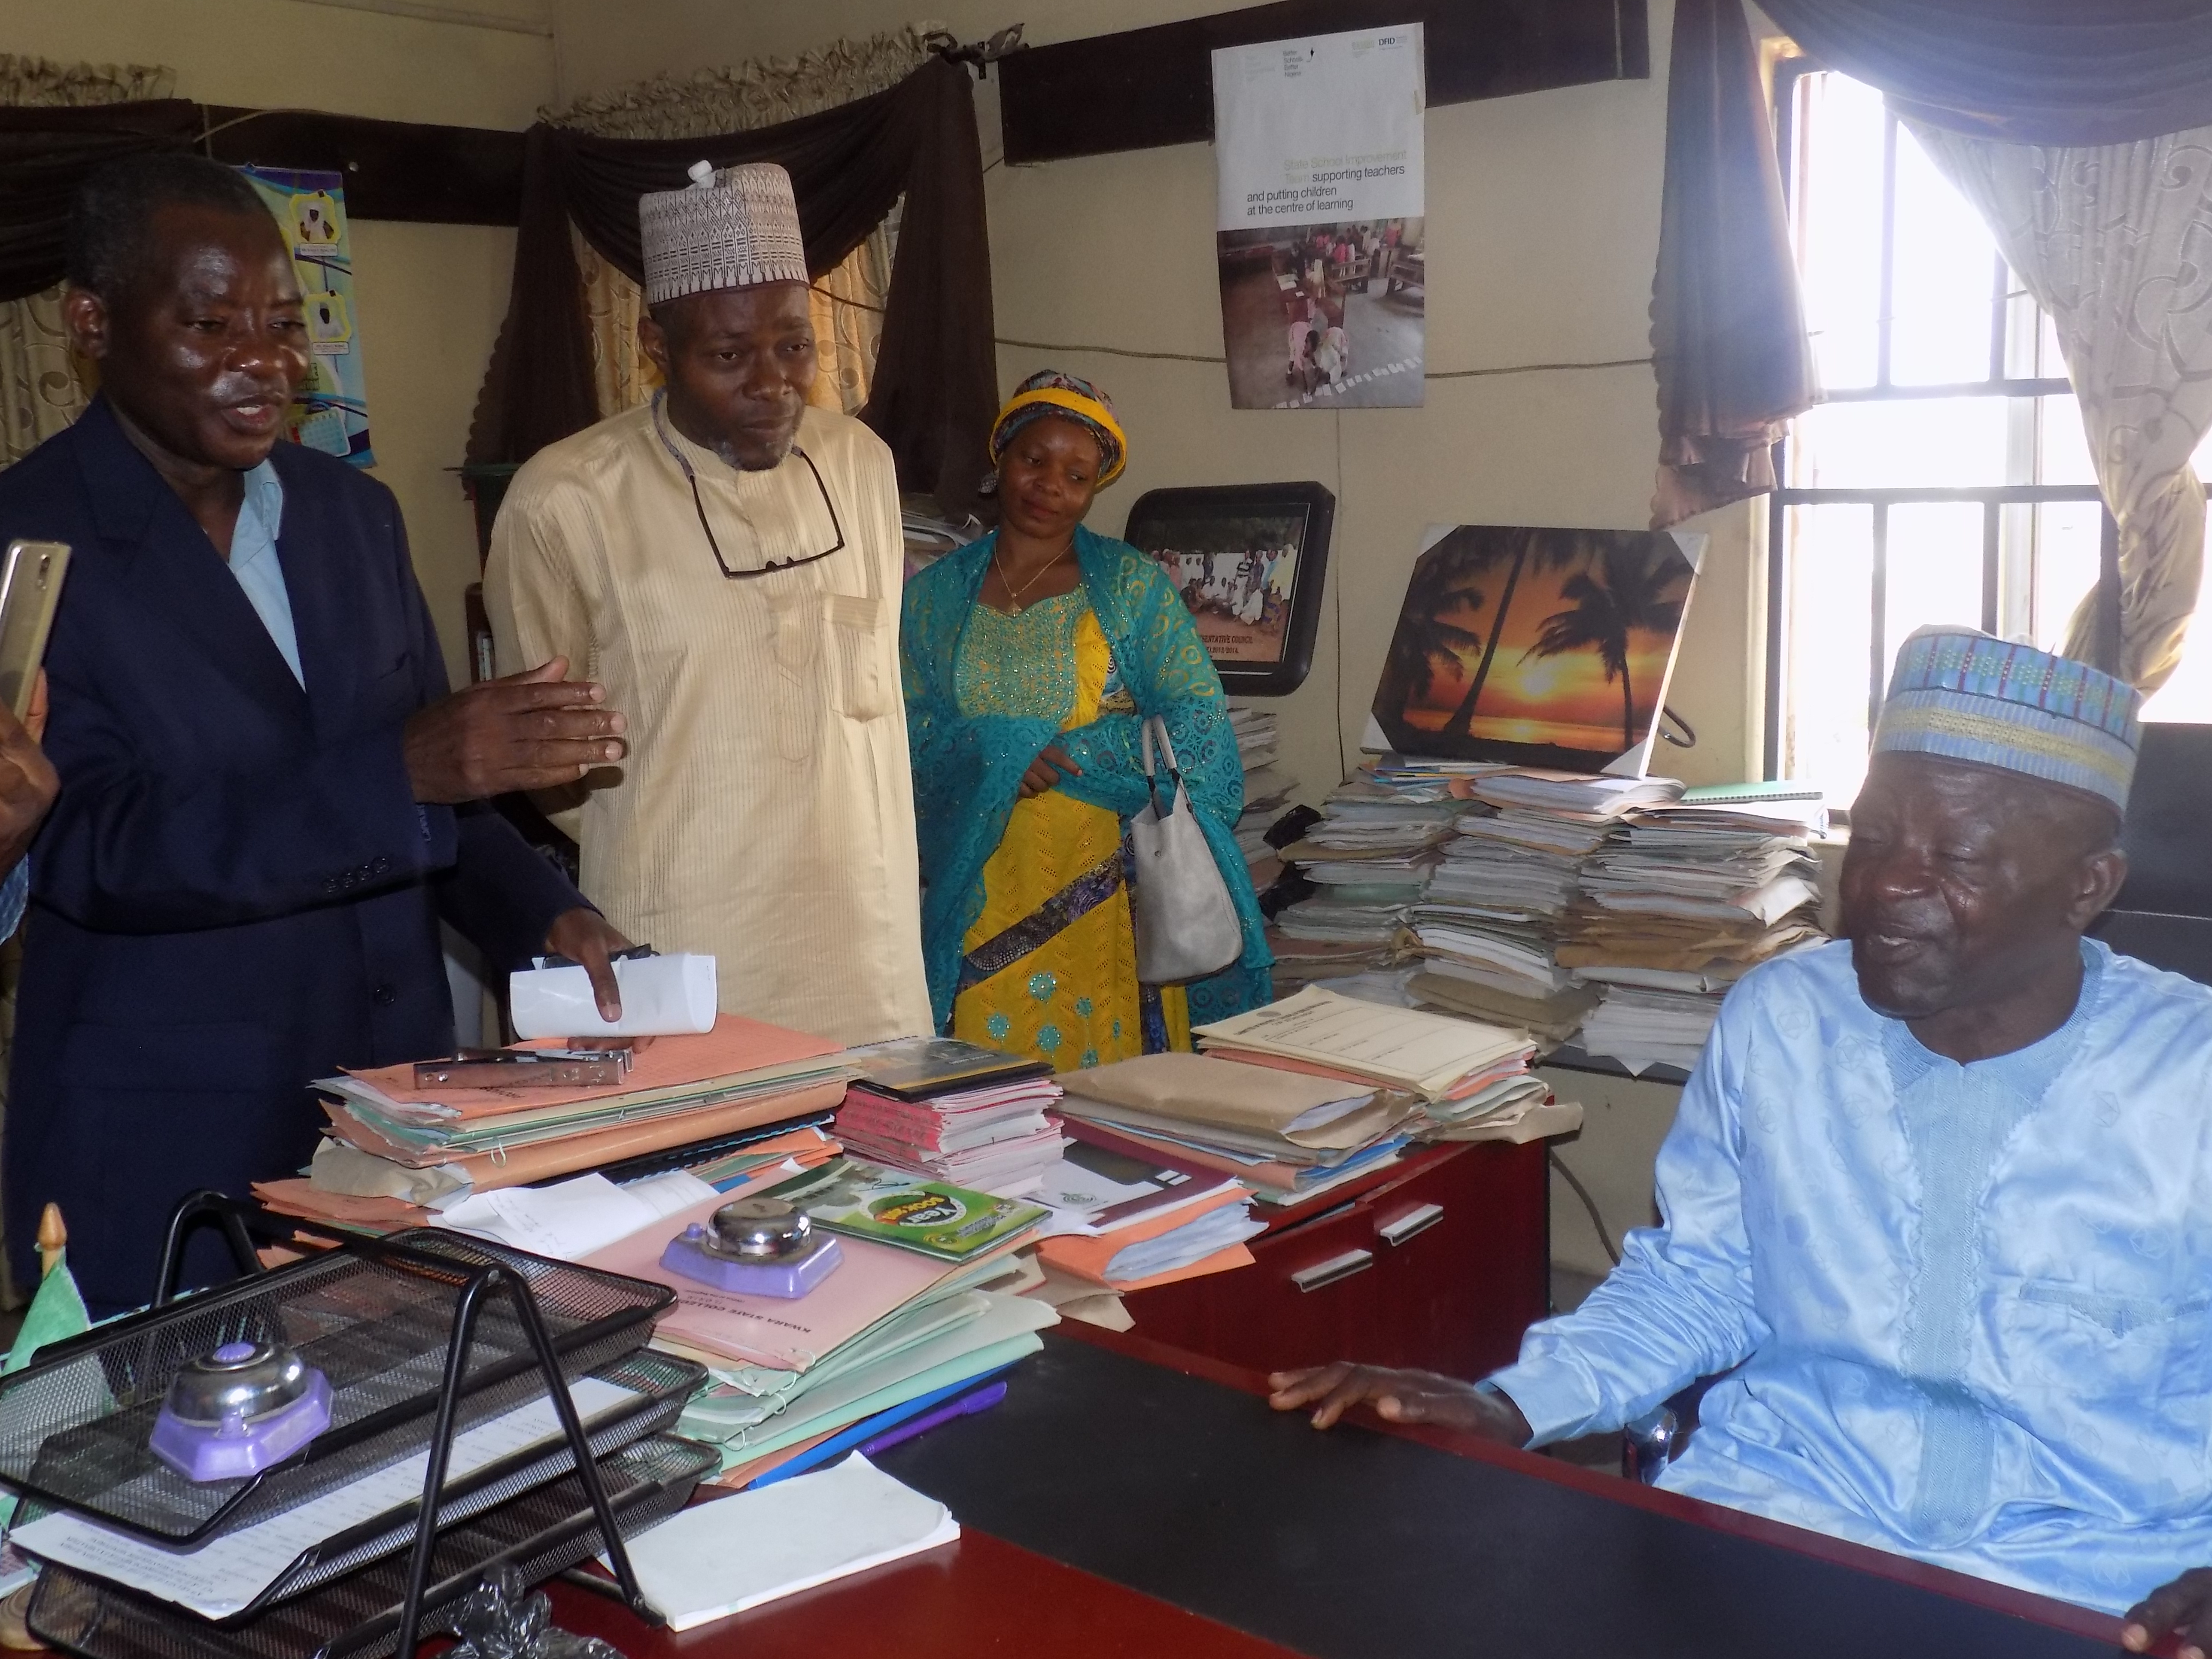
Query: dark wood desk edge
[[1941, 1581]]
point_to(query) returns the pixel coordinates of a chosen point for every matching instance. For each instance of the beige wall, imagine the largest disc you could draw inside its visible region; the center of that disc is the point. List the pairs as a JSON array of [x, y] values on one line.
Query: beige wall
[[431, 296]]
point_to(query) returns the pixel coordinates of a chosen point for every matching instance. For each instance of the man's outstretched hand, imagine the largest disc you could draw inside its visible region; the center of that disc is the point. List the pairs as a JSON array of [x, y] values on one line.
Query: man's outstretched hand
[[2186, 1606], [534, 730], [1399, 1397]]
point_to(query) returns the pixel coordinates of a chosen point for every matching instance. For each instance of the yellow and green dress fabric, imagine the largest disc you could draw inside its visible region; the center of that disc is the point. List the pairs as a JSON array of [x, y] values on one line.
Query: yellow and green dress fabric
[[1049, 966]]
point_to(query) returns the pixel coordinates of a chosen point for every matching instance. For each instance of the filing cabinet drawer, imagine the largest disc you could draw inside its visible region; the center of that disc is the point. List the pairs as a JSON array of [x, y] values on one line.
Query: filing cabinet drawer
[[1442, 1266]]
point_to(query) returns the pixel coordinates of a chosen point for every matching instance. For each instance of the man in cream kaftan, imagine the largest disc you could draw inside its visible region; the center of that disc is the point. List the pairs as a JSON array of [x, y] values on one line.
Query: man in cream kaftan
[[728, 560]]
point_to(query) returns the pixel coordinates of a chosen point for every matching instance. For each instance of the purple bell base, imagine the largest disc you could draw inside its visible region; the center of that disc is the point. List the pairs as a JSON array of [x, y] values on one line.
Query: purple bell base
[[236, 1449]]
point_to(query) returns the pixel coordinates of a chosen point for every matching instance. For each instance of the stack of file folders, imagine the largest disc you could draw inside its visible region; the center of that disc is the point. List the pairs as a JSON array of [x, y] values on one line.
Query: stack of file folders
[[1489, 926], [937, 1106], [1286, 1135], [311, 1556], [1370, 857], [1468, 1081], [1267, 788], [893, 1329], [393, 1148], [1682, 901], [1127, 1218]]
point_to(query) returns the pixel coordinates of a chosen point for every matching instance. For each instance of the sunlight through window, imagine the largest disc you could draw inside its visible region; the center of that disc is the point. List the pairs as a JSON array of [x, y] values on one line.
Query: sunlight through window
[[1946, 477]]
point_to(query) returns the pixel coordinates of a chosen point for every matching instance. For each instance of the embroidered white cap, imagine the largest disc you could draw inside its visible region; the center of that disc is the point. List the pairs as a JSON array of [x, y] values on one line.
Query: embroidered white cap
[[737, 228]]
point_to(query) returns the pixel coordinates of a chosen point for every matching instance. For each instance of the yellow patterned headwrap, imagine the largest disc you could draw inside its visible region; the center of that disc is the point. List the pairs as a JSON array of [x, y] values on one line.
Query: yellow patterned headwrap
[[1051, 392]]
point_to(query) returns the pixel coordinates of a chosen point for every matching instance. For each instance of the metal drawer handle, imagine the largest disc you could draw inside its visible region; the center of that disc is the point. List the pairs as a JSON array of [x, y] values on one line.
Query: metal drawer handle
[[1413, 1221], [1336, 1267]]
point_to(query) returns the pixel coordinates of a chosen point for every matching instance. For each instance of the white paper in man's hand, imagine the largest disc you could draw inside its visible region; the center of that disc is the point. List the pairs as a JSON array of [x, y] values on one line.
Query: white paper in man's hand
[[661, 996]]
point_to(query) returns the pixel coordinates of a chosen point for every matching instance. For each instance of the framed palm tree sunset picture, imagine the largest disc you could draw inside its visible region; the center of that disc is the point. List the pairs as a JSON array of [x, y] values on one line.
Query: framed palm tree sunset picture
[[1536, 647]]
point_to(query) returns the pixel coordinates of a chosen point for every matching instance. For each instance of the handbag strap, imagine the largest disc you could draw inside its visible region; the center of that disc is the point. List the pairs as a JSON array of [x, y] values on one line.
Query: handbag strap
[[1167, 756]]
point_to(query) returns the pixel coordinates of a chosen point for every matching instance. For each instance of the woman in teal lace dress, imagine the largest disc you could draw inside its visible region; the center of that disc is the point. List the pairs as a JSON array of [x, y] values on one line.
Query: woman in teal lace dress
[[1031, 658]]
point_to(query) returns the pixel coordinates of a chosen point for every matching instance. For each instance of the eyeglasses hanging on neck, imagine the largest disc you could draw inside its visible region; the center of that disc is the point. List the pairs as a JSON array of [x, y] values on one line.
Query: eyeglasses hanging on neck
[[774, 567]]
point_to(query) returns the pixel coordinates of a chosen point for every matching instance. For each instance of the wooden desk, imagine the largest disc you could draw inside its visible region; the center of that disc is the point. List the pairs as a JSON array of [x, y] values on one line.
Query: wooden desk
[[1127, 1499]]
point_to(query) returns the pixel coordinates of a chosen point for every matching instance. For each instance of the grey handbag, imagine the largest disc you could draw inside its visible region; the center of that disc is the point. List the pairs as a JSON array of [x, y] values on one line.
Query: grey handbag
[[1186, 922]]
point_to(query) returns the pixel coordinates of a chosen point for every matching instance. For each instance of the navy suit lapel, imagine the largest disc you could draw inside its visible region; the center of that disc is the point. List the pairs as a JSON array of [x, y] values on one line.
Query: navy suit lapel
[[317, 555], [172, 562]]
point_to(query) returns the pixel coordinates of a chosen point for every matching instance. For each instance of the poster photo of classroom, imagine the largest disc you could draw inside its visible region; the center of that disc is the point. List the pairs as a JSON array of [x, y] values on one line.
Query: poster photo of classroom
[[1324, 316]]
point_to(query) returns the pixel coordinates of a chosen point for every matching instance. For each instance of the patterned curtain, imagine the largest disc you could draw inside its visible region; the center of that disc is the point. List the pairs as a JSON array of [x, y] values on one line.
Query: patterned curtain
[[2115, 241], [847, 303], [42, 385]]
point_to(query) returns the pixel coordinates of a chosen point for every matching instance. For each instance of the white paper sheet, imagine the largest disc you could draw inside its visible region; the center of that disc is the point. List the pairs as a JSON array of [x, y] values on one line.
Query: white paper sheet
[[570, 1219], [714, 1560], [227, 1573], [661, 996]]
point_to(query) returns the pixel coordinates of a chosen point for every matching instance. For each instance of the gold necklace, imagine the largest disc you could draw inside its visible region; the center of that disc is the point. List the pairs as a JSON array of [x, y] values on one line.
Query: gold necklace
[[1014, 594]]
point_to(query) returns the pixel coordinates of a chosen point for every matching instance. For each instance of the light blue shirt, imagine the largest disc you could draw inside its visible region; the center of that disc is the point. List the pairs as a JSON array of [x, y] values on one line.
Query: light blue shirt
[[1973, 1304], [15, 895], [253, 560]]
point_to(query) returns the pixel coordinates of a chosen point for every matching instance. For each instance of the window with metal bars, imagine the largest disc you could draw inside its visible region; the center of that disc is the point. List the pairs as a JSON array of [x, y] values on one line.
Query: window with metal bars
[[1945, 477]]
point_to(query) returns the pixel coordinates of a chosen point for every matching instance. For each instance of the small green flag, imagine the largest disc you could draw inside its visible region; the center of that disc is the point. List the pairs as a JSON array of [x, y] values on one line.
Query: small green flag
[[56, 1313]]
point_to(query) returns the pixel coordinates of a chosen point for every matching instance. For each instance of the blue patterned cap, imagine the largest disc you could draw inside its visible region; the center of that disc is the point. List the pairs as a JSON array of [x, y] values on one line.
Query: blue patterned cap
[[1968, 696]]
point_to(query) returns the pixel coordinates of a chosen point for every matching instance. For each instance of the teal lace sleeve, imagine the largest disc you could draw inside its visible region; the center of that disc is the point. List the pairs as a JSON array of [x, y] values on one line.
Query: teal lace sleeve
[[1166, 668]]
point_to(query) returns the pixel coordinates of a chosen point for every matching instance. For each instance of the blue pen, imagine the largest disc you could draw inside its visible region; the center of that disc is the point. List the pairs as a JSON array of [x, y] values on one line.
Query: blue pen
[[981, 1400], [847, 1439]]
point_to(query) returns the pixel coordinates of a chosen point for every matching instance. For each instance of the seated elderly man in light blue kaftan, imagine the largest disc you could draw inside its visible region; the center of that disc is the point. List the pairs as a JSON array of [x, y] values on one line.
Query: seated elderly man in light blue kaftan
[[1938, 1200]]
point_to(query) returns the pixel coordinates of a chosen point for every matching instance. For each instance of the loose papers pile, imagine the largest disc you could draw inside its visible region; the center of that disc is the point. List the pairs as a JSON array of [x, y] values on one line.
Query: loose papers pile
[[1677, 906], [1489, 926]]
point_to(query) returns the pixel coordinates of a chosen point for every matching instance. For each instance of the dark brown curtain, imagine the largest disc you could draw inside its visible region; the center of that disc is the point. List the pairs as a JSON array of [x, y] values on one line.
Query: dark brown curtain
[[46, 153], [2026, 72], [1727, 327], [935, 389]]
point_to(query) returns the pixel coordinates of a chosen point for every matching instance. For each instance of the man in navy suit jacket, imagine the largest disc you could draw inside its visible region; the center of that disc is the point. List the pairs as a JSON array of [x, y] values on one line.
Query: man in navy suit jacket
[[268, 799]]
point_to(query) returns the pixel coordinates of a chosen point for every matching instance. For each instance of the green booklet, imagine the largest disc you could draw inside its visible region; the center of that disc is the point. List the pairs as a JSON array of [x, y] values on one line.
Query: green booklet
[[847, 1195]]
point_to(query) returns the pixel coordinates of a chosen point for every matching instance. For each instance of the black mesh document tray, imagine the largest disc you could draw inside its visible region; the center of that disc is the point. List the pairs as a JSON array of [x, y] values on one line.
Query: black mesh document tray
[[540, 1532], [375, 1316], [661, 1385]]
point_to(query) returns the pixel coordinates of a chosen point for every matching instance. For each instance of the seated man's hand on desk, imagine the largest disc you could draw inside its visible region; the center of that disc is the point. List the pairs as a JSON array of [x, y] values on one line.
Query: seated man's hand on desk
[[2186, 1606], [532, 730], [1399, 1397], [27, 782]]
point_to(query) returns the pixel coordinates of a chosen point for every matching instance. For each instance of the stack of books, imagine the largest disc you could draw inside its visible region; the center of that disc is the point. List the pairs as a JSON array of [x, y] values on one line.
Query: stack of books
[[395, 1151], [1682, 900], [937, 1106]]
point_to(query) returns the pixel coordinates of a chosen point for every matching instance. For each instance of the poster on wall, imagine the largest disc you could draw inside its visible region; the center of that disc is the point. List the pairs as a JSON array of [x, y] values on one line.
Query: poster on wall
[[1537, 647], [331, 411], [1319, 227]]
